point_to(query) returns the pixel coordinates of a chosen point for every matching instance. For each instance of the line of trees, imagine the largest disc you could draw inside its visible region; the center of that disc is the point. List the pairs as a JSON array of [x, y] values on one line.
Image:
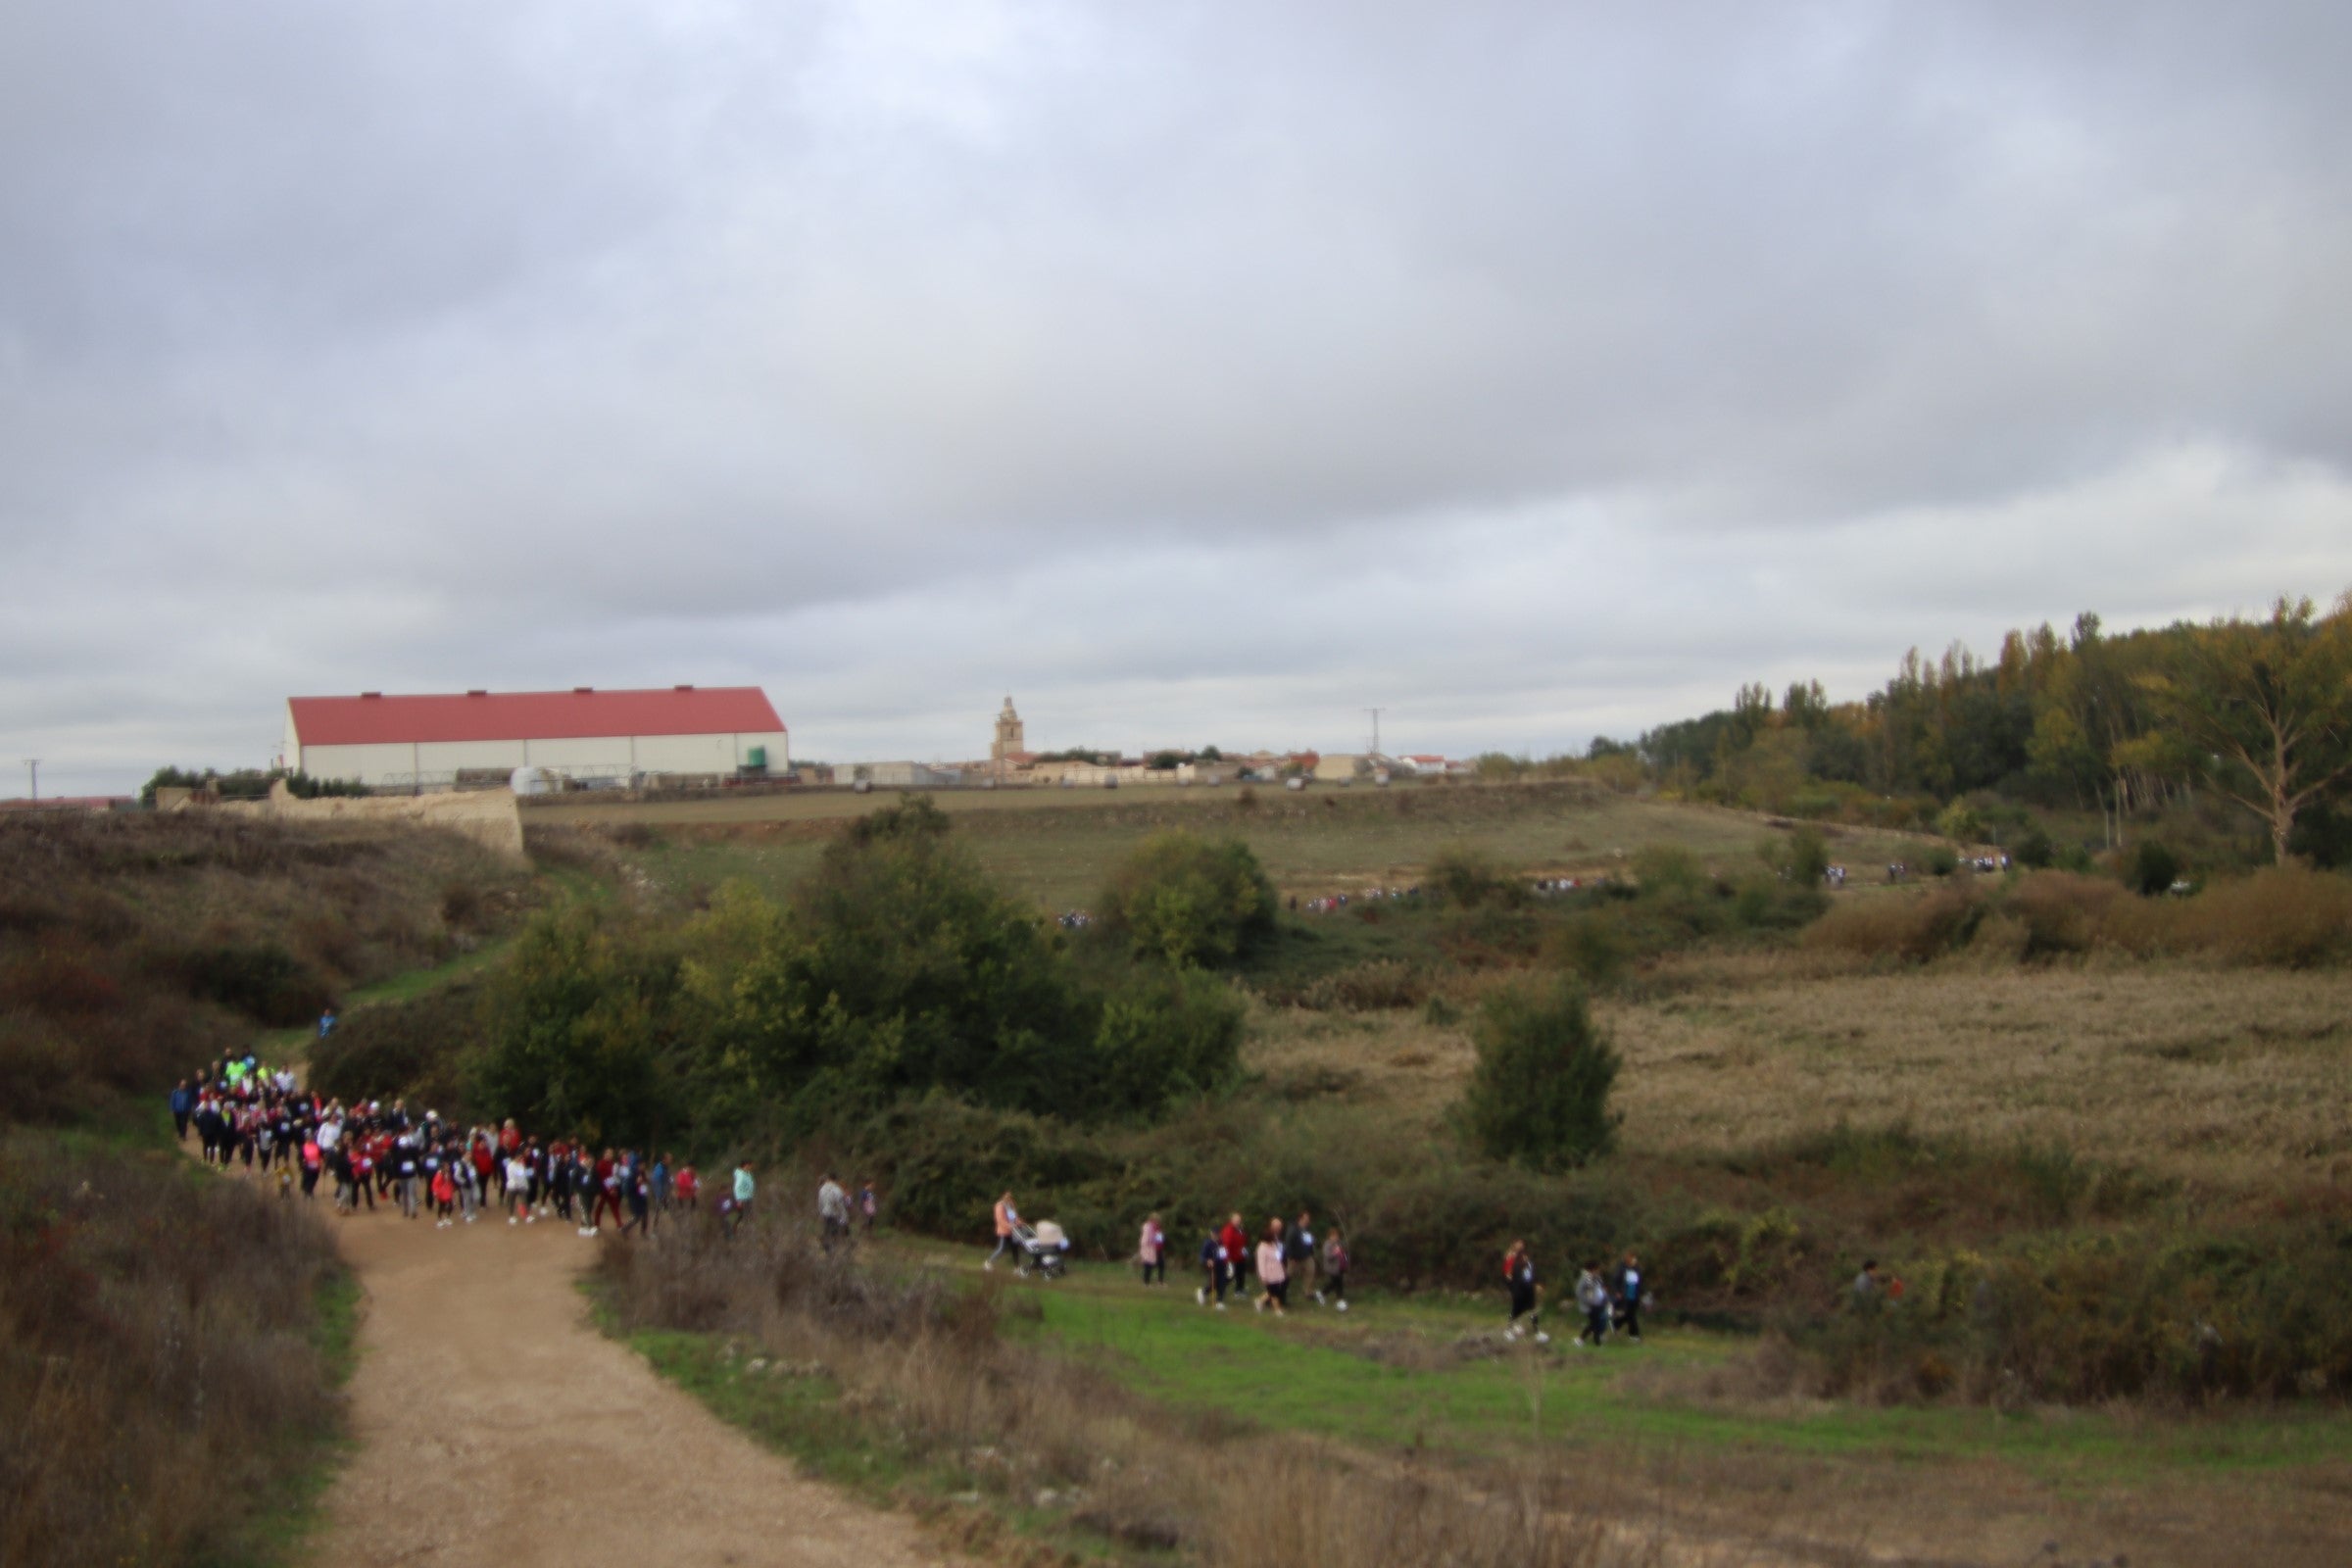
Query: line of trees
[[2258, 712]]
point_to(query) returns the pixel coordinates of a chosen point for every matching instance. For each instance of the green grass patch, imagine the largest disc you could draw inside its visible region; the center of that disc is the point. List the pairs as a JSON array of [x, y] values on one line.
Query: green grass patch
[[1419, 1372]]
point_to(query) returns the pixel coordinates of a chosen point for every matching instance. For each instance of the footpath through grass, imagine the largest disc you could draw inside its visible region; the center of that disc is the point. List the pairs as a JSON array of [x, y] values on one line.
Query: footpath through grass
[[1429, 1372]]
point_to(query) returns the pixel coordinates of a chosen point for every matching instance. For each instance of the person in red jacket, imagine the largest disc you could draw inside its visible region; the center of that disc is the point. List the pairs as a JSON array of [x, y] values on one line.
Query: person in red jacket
[[1236, 1245]]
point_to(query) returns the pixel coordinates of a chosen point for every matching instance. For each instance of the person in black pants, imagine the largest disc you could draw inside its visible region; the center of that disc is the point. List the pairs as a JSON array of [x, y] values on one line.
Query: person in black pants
[[1628, 1298]]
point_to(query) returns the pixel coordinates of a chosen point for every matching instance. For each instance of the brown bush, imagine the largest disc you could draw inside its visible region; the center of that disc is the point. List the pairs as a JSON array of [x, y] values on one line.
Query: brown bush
[[158, 1360], [2061, 912], [2282, 917], [1913, 927]]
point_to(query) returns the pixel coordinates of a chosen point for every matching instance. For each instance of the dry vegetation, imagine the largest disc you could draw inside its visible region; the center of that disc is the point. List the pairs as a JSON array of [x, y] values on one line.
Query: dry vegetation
[[133, 947], [2232, 1076], [159, 1361], [165, 1336]]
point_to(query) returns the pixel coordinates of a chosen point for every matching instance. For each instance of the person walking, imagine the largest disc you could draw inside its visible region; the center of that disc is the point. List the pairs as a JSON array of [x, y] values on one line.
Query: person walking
[[1151, 1250], [1628, 1297], [1273, 1270], [832, 1212], [1298, 1256], [1007, 1217], [1335, 1271], [1592, 1295], [1527, 1293], [869, 1205], [183, 1106], [745, 1187], [519, 1190], [1212, 1270], [636, 1189], [1235, 1243]]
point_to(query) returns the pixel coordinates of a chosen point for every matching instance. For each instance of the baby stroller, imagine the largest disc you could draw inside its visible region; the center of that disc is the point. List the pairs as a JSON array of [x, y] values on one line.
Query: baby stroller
[[1044, 1248]]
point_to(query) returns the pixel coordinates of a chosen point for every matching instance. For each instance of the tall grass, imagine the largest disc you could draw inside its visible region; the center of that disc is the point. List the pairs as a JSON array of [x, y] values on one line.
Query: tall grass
[[2280, 917], [159, 1362]]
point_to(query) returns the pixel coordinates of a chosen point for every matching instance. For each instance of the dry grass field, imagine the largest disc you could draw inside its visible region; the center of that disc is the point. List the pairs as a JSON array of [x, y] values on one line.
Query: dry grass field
[[2227, 1078], [1059, 845]]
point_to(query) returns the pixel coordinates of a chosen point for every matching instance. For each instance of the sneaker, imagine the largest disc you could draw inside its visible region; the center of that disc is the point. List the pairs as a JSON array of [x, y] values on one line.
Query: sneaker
[[1343, 1306], [1200, 1296], [584, 1231], [1220, 1306], [1318, 1298], [985, 1265], [1543, 1338], [511, 1220], [1511, 1333]]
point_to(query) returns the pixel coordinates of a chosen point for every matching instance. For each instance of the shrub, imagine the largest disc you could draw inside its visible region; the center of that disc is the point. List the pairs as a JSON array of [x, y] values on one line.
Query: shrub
[[1959, 821], [1186, 900], [259, 979], [1375, 983], [1467, 878], [1539, 1096], [1664, 868], [2281, 916], [2151, 868], [2061, 912], [1915, 927], [413, 1050], [1162, 1036]]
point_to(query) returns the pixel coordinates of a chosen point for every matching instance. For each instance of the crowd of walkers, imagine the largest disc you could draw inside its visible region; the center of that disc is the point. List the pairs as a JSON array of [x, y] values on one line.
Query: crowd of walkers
[[245, 1113], [370, 1154]]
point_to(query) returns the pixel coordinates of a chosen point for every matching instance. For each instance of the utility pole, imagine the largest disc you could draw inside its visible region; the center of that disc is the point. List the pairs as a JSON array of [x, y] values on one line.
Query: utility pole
[[1375, 712], [32, 765]]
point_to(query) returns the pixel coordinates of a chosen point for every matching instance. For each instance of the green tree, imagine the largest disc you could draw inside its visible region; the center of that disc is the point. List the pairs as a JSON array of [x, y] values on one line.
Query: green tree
[[1186, 900], [576, 1028], [2271, 703], [1539, 1096], [1466, 877]]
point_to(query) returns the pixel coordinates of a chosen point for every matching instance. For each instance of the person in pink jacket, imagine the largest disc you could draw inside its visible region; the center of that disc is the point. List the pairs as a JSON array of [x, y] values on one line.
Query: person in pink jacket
[[1271, 1271], [1152, 1250]]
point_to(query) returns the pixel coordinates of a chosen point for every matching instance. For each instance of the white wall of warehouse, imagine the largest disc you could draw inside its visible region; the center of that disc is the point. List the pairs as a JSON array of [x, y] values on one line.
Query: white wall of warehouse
[[609, 755]]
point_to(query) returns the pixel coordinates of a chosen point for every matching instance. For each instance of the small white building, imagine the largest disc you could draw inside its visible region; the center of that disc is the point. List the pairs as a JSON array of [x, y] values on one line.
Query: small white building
[[426, 741]]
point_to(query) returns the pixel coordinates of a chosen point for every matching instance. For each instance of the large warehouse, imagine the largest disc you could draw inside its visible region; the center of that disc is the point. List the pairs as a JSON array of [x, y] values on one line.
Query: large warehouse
[[426, 742]]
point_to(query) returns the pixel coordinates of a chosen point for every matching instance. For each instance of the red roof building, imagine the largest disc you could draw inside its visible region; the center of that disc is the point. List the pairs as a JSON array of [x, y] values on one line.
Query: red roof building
[[425, 741]]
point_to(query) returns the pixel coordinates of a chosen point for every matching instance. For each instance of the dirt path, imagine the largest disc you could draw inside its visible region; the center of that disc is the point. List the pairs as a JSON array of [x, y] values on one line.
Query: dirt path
[[496, 1426]]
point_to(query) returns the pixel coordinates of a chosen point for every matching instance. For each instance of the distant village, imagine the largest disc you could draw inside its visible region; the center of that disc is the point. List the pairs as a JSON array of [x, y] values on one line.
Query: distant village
[[671, 738], [1009, 762]]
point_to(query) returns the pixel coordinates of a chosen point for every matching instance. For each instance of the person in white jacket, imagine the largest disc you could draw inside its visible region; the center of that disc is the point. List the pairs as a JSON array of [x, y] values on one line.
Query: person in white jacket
[[1272, 1273]]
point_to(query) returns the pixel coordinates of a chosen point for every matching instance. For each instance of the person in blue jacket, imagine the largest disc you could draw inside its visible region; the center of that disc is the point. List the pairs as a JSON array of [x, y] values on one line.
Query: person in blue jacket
[[183, 1104]]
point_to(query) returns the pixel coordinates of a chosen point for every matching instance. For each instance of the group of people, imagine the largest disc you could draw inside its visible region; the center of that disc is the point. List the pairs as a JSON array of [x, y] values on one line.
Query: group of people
[[261, 1117], [1332, 903], [1284, 1256], [1610, 1299]]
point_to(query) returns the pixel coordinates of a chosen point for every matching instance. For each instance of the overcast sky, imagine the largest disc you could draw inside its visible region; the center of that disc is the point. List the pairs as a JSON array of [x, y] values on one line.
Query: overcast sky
[[1192, 372]]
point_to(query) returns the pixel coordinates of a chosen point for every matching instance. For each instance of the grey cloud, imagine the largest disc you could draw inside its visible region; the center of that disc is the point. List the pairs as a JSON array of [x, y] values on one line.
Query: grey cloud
[[1549, 368]]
